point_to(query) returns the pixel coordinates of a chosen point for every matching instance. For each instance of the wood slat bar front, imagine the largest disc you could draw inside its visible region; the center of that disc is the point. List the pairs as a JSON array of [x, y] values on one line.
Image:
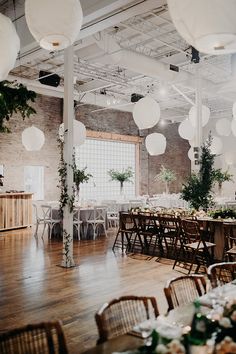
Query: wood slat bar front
[[15, 210]]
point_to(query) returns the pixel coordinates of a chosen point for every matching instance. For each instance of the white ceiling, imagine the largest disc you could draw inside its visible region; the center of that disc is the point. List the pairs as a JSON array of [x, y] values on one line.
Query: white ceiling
[[143, 27]]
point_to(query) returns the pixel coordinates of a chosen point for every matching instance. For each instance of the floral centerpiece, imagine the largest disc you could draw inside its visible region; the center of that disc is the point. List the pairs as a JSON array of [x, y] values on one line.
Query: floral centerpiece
[[167, 176], [121, 176], [223, 214]]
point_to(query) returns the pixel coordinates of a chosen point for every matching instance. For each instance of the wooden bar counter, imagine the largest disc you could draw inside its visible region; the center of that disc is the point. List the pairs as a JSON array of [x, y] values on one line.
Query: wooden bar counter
[[15, 210]]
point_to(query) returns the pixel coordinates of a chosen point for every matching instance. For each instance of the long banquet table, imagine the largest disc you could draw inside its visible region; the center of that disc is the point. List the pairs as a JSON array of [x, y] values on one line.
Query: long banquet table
[[181, 315]]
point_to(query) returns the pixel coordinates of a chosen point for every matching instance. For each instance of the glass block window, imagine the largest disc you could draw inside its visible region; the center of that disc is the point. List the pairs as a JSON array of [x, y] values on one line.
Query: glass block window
[[100, 156]]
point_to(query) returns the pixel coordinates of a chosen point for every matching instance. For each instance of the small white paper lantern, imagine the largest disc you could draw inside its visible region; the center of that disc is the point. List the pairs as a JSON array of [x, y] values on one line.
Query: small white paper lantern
[[233, 126], [186, 130], [146, 113], [155, 143], [191, 154], [55, 24], [223, 127], [32, 138], [209, 26], [9, 46], [193, 115], [79, 133], [216, 145]]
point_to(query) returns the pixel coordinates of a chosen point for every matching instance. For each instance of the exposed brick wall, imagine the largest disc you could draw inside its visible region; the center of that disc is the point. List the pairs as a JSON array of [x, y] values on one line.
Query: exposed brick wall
[[49, 116]]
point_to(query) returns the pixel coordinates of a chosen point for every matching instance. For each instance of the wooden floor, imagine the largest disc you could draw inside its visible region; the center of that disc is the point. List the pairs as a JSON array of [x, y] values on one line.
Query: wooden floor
[[34, 288]]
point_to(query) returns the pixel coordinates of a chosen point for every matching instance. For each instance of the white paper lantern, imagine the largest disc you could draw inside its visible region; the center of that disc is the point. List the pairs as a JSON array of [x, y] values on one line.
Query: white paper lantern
[[209, 26], [191, 154], [55, 24], [79, 133], [155, 143], [32, 138], [205, 115], [186, 130], [146, 113], [233, 126], [9, 46], [216, 145], [223, 127]]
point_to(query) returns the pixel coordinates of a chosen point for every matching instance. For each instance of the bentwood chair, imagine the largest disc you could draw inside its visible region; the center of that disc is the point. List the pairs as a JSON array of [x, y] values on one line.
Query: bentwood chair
[[97, 218], [194, 247], [221, 273], [185, 289], [49, 218], [38, 219], [41, 338], [77, 222], [120, 315]]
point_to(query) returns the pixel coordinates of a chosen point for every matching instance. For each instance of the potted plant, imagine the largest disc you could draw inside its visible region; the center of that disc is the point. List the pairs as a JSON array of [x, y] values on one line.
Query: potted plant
[[14, 98], [121, 176], [167, 176], [221, 177], [198, 188]]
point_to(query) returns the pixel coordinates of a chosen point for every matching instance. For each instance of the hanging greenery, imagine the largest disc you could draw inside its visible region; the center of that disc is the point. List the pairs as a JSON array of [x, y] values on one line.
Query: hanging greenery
[[165, 175], [198, 188], [14, 98], [80, 176]]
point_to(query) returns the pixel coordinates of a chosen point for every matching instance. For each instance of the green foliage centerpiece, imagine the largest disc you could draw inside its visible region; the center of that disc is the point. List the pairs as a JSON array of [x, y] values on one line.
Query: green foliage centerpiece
[[14, 98], [80, 176], [198, 188], [167, 176], [221, 177], [121, 176]]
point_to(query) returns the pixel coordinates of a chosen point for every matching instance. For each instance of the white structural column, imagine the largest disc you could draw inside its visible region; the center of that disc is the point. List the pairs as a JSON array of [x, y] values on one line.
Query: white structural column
[[198, 136], [68, 117]]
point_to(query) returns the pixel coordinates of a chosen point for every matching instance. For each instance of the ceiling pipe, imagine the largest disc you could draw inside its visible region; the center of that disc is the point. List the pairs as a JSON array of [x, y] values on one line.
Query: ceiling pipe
[[88, 98]]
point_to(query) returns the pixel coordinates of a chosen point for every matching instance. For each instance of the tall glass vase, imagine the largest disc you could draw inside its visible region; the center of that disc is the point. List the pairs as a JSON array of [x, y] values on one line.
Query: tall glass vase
[[121, 190]]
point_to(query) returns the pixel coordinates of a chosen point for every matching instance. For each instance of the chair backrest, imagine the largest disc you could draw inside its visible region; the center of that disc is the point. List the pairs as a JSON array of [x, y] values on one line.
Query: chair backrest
[[184, 289], [47, 212], [42, 338], [120, 315], [191, 230], [221, 273], [76, 215], [125, 221], [100, 213]]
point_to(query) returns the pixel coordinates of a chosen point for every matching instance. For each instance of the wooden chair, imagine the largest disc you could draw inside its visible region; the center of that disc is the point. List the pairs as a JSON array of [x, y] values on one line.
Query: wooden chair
[[185, 289], [120, 315], [194, 247], [41, 338], [221, 273], [125, 231], [230, 241], [169, 230]]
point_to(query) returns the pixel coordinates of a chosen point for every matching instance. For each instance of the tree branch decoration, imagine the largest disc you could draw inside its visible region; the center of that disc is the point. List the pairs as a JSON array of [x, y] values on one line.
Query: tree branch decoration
[[165, 175], [222, 176], [124, 176], [14, 98], [198, 188]]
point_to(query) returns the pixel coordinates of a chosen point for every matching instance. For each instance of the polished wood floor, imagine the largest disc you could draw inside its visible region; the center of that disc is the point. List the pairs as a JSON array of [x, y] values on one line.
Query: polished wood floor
[[34, 288]]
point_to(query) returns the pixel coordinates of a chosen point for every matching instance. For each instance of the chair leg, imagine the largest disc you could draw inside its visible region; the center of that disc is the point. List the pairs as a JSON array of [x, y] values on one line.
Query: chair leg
[[44, 226], [36, 230]]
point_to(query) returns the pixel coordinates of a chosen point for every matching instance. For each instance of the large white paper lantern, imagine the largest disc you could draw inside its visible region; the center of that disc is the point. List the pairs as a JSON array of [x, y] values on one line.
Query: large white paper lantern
[[79, 132], [9, 46], [55, 24], [193, 115], [233, 127], [209, 26], [186, 130], [223, 127], [191, 154], [146, 113], [32, 138], [155, 143], [216, 145]]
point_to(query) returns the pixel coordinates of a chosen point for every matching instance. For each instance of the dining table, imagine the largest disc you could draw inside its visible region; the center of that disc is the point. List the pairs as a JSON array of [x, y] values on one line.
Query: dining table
[[181, 316]]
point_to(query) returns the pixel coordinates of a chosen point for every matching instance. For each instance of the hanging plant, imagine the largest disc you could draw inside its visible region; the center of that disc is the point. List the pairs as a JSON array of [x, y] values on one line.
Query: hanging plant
[[14, 98]]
